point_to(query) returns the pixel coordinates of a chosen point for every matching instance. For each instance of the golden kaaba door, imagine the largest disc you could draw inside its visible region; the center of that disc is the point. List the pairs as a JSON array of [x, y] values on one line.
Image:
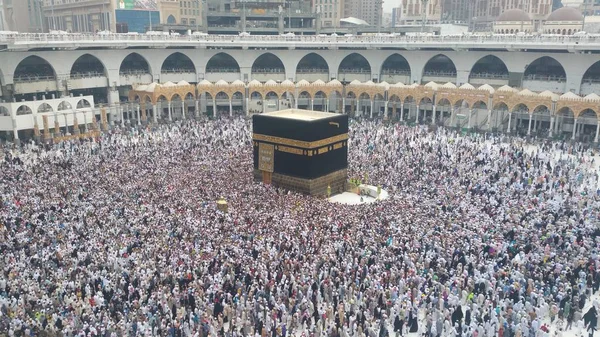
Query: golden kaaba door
[[266, 157], [266, 161]]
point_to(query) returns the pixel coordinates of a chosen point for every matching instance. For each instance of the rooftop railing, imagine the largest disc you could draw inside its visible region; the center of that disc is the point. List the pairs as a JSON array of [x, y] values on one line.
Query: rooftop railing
[[23, 38]]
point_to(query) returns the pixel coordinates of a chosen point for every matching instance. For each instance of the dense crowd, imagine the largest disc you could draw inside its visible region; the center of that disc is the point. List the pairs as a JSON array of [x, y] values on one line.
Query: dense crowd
[[120, 236]]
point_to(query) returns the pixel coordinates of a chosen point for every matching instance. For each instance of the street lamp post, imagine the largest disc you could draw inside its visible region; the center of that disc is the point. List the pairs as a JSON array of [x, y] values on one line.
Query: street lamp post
[[53, 18], [40, 8], [424, 17], [290, 16]]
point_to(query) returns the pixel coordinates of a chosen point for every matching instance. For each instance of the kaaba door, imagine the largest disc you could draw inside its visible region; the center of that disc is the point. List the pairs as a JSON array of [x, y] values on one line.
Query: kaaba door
[[267, 177]]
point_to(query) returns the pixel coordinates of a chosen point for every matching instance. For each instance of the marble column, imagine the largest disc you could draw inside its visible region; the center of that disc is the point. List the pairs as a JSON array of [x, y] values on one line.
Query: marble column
[[418, 111]]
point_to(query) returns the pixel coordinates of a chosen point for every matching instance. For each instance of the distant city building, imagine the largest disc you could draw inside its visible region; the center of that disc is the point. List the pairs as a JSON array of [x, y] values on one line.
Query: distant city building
[[481, 14], [3, 25], [21, 15], [513, 21], [368, 10], [415, 11], [386, 20], [396, 16], [563, 21], [82, 15], [330, 11]]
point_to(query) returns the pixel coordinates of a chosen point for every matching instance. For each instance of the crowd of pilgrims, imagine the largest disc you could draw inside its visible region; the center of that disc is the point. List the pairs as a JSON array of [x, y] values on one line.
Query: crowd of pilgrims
[[120, 236]]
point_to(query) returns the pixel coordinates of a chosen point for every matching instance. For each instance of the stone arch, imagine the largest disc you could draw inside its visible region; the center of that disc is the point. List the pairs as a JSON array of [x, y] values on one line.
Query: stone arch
[[4, 111], [262, 63], [479, 104], [304, 94], [321, 94], [83, 103], [312, 63], [461, 103], [33, 67], [439, 64], [175, 96], [64, 105], [424, 100], [178, 63], [134, 63], [354, 64], [171, 20], [395, 98], [87, 64], [222, 62], [44, 107], [395, 64], [520, 108], [489, 66], [565, 112], [545, 68], [499, 103], [541, 107], [588, 112], [26, 110], [222, 95], [592, 74]]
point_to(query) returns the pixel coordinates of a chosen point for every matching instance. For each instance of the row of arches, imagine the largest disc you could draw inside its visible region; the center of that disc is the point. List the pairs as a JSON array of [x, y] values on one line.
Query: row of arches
[[35, 67], [45, 107], [561, 31]]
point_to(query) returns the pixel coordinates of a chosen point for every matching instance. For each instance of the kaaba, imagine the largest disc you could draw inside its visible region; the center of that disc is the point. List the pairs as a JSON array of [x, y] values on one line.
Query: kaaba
[[301, 150]]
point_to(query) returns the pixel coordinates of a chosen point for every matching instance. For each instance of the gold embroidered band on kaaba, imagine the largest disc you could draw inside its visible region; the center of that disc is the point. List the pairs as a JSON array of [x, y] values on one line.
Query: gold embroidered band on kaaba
[[299, 143]]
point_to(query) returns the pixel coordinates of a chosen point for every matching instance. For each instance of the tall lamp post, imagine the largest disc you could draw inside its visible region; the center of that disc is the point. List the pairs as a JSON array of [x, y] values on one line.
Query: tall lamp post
[[40, 8], [424, 15], [53, 18]]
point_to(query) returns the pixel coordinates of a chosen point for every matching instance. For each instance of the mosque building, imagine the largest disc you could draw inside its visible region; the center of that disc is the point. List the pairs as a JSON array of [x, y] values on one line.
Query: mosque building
[[563, 21]]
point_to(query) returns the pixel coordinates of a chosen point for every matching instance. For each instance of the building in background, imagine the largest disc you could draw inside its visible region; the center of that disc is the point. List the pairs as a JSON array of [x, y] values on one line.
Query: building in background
[[369, 10], [21, 15], [480, 15], [262, 17], [3, 25], [386, 19], [563, 21], [396, 16], [140, 16], [421, 11], [82, 15], [330, 12]]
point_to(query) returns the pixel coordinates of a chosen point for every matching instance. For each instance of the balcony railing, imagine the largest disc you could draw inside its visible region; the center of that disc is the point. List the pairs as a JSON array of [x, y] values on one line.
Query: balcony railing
[[24, 38], [222, 70], [547, 78], [87, 74], [393, 72], [268, 71], [434, 73], [312, 71], [355, 71], [134, 72], [33, 78], [490, 76], [178, 71]]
